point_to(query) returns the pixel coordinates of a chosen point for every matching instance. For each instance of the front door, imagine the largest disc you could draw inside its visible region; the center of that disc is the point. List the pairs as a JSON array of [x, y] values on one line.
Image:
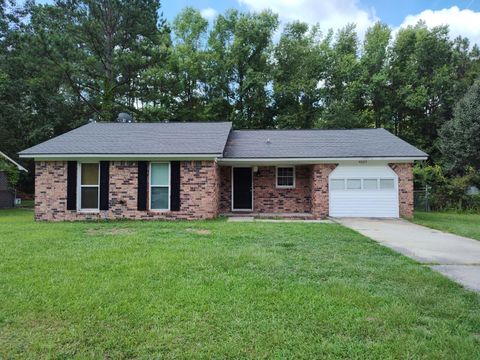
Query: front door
[[242, 188]]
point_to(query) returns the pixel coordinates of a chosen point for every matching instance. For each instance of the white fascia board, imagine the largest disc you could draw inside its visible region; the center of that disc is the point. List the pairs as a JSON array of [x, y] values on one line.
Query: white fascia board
[[119, 157], [19, 167], [305, 161]]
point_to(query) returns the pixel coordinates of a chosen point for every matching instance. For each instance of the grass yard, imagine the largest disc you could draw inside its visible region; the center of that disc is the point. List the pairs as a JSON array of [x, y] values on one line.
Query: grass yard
[[461, 224], [221, 290]]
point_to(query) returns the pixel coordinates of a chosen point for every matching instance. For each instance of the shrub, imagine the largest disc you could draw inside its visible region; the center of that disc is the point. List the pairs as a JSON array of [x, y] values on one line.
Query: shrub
[[13, 174], [447, 193]]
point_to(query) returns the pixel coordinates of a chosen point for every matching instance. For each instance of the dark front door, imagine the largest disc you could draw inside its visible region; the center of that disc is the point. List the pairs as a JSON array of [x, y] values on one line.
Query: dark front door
[[242, 188]]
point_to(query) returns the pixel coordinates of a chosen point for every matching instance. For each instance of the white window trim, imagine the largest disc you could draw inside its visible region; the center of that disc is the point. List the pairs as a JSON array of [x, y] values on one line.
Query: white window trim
[[80, 186], [285, 186], [160, 186]]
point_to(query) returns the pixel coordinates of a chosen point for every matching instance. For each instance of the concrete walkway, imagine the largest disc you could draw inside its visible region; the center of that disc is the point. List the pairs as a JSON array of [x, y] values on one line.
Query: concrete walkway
[[454, 256]]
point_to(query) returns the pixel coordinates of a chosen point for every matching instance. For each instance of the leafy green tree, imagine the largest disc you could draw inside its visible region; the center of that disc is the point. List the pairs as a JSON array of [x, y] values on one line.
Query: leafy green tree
[[11, 171], [374, 76], [301, 61], [460, 137], [101, 47], [247, 45], [188, 63], [421, 92], [343, 96]]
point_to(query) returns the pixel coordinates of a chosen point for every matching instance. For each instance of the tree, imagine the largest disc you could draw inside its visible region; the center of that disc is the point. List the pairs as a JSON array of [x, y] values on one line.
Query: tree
[[301, 60], [188, 64], [422, 84], [374, 76], [459, 137], [241, 71], [343, 96], [101, 47]]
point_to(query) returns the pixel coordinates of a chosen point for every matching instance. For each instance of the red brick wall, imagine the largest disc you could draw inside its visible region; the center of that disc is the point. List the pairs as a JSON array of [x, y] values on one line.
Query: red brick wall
[[267, 198], [199, 192], [405, 187], [225, 189], [319, 189]]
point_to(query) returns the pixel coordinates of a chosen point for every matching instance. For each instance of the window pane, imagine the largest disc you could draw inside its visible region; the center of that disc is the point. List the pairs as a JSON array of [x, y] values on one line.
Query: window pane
[[285, 172], [337, 184], [89, 198], [370, 184], [386, 184], [354, 184], [89, 174], [285, 181], [159, 198], [159, 174], [285, 176]]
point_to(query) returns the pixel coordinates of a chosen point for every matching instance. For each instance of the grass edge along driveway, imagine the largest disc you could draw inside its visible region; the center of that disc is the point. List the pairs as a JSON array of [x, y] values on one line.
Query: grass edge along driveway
[[214, 289], [462, 224]]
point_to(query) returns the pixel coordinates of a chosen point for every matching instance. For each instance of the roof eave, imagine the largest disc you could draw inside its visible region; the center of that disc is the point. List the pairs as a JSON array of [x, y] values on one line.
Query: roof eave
[[19, 167], [304, 160], [132, 157]]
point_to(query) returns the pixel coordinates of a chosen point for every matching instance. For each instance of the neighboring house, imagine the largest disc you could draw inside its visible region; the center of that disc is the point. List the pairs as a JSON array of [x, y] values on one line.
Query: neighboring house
[[201, 170], [7, 195]]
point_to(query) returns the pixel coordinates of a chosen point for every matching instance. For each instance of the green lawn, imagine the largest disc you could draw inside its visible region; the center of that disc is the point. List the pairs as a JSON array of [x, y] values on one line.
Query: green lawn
[[461, 224], [221, 290]]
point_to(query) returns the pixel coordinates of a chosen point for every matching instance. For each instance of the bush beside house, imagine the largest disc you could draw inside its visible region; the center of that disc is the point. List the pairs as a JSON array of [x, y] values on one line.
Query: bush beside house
[[448, 193]]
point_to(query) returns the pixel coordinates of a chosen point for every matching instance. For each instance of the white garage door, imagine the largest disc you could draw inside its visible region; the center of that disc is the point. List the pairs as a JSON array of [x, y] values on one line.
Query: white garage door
[[363, 191]]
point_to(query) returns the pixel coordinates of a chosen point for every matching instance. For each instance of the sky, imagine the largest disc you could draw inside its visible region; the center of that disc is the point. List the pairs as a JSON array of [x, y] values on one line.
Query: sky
[[463, 16]]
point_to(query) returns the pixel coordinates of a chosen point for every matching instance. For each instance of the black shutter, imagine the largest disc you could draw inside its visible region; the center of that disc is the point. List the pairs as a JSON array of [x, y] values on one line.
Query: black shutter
[[142, 185], [104, 184], [71, 185], [175, 186]]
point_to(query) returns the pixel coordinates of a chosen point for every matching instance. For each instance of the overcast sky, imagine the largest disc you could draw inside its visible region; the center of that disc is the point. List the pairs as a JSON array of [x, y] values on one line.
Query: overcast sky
[[462, 16]]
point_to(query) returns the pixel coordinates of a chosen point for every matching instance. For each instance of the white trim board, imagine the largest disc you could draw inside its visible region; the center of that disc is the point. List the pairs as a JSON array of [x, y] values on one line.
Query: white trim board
[[306, 161], [150, 157], [19, 167]]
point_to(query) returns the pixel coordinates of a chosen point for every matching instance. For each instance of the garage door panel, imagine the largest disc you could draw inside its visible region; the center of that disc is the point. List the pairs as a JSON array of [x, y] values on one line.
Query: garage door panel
[[362, 205], [365, 202]]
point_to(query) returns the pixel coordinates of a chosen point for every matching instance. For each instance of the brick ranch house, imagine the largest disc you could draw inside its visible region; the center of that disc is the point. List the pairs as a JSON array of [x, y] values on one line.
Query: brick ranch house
[[202, 170]]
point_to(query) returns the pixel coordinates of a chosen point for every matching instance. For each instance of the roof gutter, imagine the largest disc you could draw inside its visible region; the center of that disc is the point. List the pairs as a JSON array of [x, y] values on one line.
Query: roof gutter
[[273, 161], [79, 157]]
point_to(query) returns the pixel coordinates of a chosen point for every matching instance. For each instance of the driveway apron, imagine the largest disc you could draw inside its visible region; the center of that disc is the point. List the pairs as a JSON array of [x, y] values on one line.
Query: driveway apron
[[454, 256]]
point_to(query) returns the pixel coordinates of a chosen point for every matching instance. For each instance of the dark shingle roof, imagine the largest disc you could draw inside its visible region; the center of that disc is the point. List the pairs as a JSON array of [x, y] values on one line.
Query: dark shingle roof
[[317, 144], [216, 138], [138, 138]]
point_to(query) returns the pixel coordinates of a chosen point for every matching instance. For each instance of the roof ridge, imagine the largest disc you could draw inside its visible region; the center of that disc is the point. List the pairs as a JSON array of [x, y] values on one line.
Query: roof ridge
[[355, 129], [160, 122]]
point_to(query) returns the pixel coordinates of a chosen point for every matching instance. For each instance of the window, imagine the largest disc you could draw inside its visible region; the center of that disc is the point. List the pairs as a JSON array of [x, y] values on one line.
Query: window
[[370, 184], [286, 177], [337, 184], [89, 186], [387, 184], [354, 184], [159, 186], [361, 184]]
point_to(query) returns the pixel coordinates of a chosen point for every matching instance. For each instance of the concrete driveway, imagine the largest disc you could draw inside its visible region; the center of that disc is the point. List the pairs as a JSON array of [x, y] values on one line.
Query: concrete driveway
[[454, 256]]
